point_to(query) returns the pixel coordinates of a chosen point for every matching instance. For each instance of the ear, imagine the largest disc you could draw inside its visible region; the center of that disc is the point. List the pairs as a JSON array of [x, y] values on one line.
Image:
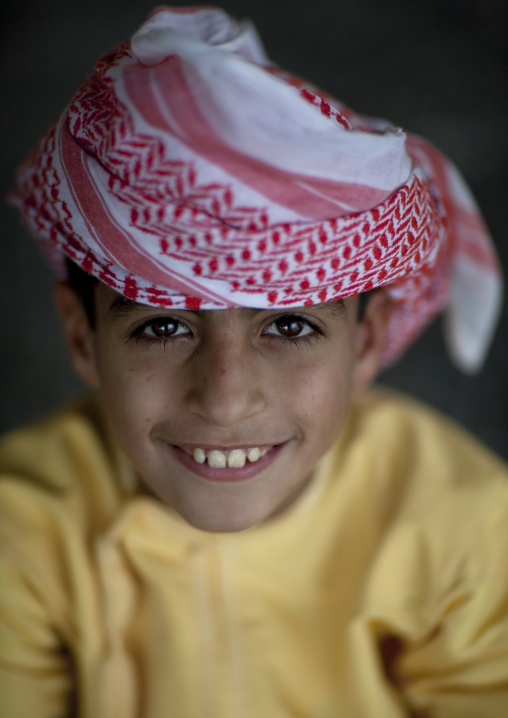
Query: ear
[[371, 336], [79, 334]]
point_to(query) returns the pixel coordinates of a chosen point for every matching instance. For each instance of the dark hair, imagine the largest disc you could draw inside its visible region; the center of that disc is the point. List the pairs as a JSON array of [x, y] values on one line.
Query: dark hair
[[84, 285], [363, 300]]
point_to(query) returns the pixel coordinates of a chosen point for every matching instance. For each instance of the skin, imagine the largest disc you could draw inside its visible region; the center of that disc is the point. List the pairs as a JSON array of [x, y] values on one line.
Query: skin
[[224, 379]]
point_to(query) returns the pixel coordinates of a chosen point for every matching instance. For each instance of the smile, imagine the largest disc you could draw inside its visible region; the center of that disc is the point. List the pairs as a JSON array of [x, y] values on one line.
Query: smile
[[233, 458], [235, 464]]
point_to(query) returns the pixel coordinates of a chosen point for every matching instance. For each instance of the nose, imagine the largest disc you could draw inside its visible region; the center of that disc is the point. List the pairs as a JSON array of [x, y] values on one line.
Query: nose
[[226, 382]]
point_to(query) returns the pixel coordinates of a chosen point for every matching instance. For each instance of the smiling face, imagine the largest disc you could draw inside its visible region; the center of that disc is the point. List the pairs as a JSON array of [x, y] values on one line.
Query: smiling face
[[224, 413]]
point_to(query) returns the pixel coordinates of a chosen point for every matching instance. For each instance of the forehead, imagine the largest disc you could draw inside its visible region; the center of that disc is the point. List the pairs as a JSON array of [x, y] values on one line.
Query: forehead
[[116, 307]]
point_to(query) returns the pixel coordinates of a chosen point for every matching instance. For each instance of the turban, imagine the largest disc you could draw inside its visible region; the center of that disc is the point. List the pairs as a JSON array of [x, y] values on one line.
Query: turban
[[190, 172]]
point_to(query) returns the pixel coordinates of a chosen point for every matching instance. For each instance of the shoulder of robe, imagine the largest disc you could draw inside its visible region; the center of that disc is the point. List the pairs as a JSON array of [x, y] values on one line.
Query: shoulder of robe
[[445, 511], [422, 442], [62, 474]]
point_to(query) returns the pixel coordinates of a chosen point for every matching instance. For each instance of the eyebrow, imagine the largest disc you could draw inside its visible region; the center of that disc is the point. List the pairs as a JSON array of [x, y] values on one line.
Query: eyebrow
[[123, 306]]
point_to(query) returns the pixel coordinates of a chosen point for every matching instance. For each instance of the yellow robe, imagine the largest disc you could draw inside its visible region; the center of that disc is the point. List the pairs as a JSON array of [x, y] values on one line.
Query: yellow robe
[[382, 592]]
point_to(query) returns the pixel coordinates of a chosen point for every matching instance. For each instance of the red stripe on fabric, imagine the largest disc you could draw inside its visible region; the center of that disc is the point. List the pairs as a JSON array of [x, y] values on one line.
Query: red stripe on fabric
[[101, 225], [281, 184], [469, 234], [291, 190], [473, 242], [71, 157]]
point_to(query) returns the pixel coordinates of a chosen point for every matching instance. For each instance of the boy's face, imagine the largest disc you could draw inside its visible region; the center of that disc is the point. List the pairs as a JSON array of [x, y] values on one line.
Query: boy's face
[[183, 390]]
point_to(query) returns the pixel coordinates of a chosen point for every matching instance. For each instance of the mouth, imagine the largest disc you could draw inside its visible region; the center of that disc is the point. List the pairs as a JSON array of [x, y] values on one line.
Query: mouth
[[221, 464]]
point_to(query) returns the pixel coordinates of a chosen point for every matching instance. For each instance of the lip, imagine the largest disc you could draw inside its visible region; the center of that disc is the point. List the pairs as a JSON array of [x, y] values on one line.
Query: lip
[[189, 448], [232, 475]]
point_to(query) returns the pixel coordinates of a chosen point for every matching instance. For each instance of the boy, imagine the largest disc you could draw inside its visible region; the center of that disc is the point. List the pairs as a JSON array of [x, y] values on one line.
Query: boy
[[232, 529]]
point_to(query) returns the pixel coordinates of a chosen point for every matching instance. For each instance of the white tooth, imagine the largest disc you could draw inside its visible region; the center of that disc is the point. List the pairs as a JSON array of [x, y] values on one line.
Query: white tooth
[[236, 458], [199, 456], [254, 454], [216, 459]]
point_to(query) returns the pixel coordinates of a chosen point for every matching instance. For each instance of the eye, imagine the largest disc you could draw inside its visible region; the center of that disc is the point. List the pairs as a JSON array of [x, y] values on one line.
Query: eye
[[161, 329], [164, 328], [292, 327]]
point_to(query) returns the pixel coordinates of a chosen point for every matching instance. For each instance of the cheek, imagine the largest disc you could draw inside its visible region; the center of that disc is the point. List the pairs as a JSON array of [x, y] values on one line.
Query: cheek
[[135, 395], [330, 398], [321, 393]]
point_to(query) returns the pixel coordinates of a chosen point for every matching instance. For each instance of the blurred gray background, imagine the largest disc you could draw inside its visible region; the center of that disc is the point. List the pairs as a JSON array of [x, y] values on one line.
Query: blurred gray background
[[434, 67]]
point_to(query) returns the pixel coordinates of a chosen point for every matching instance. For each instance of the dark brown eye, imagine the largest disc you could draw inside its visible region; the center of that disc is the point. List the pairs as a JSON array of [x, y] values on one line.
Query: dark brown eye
[[163, 329], [290, 327]]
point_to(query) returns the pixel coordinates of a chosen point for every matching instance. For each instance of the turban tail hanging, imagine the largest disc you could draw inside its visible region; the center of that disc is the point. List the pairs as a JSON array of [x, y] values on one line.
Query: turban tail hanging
[[188, 172]]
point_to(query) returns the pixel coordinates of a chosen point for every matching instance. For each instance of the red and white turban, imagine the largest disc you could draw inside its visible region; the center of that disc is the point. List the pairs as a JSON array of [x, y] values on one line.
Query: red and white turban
[[188, 172]]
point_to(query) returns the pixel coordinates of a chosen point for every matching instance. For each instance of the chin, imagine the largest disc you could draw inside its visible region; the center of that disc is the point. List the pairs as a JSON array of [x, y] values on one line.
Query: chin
[[230, 523]]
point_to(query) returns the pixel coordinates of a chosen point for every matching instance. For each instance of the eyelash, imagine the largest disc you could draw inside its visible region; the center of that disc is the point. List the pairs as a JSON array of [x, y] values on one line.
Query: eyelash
[[298, 341], [138, 335]]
